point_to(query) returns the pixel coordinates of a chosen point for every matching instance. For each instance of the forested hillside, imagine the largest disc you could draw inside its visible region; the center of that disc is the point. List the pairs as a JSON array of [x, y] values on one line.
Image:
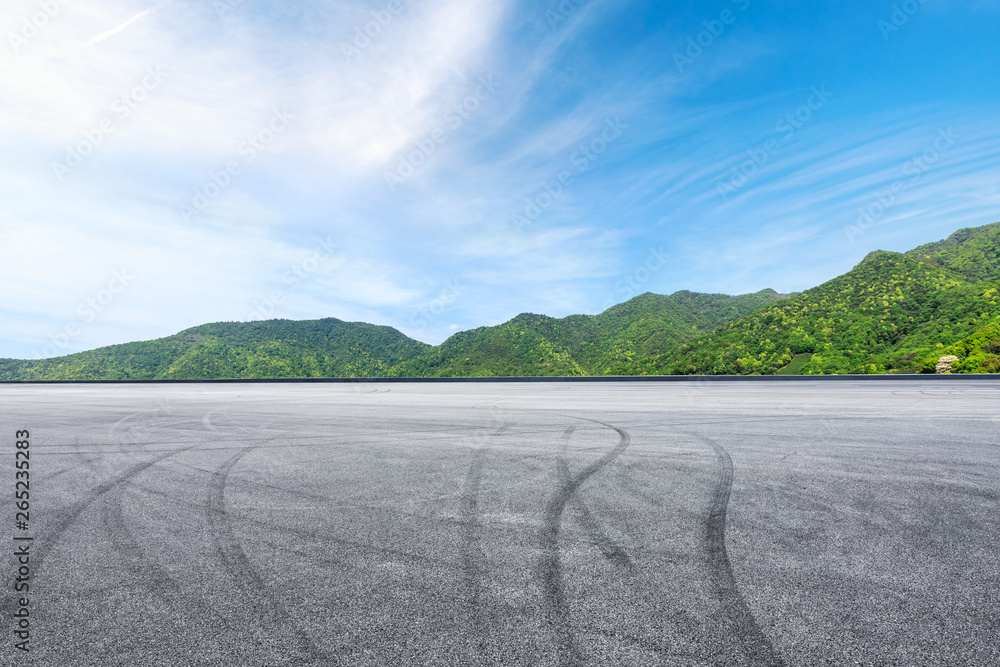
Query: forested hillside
[[272, 349], [888, 314], [618, 341], [622, 340], [894, 312]]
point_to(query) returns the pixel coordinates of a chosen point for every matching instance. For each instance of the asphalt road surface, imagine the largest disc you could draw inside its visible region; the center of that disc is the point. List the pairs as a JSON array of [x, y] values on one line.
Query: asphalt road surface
[[704, 523]]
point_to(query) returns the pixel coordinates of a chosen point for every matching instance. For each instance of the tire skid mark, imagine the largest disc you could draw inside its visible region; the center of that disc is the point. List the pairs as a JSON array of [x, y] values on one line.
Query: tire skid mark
[[364, 547], [58, 473], [138, 564], [328, 501], [123, 540], [238, 565], [88, 458], [47, 540], [608, 547], [557, 611], [117, 531], [261, 485], [756, 645], [50, 537], [474, 558], [206, 419], [105, 452]]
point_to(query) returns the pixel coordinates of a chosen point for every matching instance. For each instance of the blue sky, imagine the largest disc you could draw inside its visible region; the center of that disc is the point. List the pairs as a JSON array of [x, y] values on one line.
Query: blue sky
[[437, 165]]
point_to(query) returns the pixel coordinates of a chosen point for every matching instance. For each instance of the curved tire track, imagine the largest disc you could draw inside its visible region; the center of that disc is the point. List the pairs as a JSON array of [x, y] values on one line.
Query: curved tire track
[[124, 541], [51, 537], [158, 580], [116, 528], [608, 547], [47, 540], [474, 558], [239, 567], [756, 645], [557, 611]]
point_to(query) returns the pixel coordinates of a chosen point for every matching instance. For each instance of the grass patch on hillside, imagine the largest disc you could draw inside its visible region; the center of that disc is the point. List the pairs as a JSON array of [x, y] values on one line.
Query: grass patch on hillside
[[794, 366]]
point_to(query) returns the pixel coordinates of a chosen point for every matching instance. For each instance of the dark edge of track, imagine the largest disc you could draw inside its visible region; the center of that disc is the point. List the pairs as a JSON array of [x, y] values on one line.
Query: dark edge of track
[[561, 378]]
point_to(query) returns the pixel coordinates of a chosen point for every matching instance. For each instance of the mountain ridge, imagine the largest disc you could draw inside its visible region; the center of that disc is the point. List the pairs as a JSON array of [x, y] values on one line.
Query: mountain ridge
[[893, 312]]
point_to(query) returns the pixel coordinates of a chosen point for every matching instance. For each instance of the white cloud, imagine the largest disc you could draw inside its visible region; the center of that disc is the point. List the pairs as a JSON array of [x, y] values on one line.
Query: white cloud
[[114, 31], [355, 115]]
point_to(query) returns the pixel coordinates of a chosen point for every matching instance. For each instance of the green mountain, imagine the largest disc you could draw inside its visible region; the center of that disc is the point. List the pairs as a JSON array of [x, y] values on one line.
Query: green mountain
[[894, 312], [272, 349], [974, 252], [620, 341], [889, 314]]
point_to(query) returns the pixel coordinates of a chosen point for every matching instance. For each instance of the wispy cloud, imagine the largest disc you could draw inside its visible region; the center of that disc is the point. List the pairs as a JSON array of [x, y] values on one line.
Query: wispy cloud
[[114, 31], [358, 115]]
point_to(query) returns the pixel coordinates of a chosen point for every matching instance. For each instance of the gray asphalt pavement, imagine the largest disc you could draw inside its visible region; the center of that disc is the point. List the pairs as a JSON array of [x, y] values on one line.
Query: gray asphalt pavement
[[704, 523]]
